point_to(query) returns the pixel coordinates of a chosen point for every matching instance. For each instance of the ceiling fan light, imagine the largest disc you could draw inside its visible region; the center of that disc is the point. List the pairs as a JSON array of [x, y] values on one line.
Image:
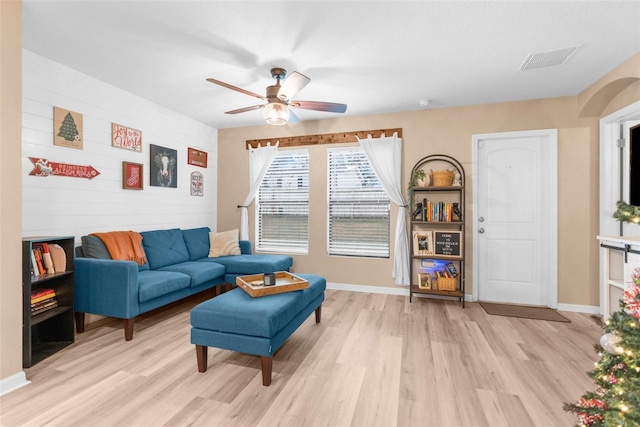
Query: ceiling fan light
[[276, 113]]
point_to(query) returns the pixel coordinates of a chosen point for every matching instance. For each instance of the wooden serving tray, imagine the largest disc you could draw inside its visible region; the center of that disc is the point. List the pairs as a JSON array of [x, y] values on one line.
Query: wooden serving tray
[[285, 282]]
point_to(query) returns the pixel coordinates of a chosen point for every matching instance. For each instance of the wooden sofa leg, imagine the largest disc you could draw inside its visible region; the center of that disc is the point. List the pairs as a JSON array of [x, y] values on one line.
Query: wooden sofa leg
[[267, 364], [79, 322], [201, 356], [318, 313], [128, 329]]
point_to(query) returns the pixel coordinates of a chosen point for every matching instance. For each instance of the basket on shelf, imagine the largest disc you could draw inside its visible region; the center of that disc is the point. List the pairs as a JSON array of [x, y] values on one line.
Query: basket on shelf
[[442, 178], [447, 283]]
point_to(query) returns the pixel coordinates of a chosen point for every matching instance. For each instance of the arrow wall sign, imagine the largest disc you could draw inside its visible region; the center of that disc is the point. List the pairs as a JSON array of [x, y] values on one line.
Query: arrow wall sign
[[43, 167]]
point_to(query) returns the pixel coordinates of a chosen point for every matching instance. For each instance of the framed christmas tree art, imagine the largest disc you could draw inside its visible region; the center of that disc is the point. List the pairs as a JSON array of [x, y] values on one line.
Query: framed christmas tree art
[[67, 128]]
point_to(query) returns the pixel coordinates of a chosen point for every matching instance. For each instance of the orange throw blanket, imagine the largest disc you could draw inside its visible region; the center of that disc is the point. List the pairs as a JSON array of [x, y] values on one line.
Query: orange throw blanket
[[123, 245]]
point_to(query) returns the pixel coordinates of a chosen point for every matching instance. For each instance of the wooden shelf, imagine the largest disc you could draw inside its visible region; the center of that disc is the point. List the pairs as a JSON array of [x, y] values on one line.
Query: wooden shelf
[[457, 293], [443, 237]]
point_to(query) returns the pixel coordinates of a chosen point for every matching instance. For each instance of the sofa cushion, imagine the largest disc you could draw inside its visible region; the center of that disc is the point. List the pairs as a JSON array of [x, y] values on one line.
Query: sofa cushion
[[164, 247], [236, 312], [199, 272], [197, 241], [93, 247], [253, 264], [224, 243], [153, 284]]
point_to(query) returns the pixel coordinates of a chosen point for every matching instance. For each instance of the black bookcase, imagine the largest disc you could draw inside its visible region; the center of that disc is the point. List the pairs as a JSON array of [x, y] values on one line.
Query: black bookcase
[[48, 332]]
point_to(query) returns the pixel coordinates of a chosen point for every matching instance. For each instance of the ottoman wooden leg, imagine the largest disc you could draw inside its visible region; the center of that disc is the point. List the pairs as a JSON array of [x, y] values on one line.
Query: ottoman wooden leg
[[318, 313], [201, 355], [267, 363]]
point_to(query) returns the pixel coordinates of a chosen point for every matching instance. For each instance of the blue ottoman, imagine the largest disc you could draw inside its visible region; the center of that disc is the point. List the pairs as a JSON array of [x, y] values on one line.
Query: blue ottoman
[[236, 321]]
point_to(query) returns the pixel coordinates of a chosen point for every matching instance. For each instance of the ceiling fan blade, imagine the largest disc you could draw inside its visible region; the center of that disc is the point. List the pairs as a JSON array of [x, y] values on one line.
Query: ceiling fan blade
[[292, 85], [292, 118], [245, 109], [237, 89], [330, 107]]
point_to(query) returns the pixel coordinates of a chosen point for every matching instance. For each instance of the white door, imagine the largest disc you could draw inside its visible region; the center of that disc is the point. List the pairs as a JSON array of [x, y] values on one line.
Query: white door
[[515, 235]]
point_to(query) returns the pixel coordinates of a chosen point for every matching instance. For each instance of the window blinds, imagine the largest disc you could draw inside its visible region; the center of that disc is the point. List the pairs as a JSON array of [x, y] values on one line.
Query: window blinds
[[283, 204], [359, 215]]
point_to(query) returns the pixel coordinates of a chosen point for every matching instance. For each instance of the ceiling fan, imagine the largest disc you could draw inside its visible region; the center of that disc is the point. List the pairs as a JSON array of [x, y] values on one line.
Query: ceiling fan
[[276, 111]]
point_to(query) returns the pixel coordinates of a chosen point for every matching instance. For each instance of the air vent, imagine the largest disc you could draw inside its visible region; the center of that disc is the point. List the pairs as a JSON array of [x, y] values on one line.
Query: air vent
[[548, 59]]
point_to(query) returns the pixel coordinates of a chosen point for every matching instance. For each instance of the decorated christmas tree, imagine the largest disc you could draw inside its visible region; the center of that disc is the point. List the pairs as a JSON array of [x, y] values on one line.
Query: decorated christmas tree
[[68, 129], [616, 399]]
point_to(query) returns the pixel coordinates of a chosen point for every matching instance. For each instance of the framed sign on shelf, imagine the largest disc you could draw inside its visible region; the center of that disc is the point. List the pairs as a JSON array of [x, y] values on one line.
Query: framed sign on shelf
[[132, 176], [422, 243], [424, 281], [447, 243], [197, 157]]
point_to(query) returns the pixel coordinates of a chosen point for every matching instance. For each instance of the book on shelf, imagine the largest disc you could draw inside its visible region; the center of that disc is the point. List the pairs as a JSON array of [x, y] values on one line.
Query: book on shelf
[[34, 265], [438, 212], [43, 297], [43, 306], [39, 292], [37, 252], [451, 269], [46, 257]]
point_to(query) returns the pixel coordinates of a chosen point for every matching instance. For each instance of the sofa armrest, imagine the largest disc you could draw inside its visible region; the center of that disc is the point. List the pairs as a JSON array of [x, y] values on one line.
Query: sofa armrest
[[106, 287], [245, 247]]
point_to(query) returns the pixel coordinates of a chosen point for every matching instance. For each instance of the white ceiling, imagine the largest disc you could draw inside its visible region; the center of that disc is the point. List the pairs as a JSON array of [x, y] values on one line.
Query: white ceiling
[[374, 56]]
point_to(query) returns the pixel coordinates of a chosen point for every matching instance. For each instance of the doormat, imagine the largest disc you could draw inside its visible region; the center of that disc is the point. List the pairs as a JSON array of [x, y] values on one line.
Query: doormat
[[526, 312]]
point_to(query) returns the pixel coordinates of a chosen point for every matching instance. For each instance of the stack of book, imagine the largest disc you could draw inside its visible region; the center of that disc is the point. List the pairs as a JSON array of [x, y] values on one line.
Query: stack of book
[[41, 259], [43, 300]]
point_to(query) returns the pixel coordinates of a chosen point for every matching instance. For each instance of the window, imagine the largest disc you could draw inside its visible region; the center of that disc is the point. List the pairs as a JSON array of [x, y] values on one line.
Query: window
[[358, 206], [282, 211]]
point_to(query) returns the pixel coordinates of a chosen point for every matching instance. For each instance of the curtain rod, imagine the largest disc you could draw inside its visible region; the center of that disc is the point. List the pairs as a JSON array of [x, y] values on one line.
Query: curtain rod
[[327, 138]]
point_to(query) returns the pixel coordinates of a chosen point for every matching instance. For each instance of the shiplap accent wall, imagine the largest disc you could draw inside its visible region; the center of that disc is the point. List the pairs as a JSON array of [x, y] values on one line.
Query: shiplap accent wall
[[57, 205]]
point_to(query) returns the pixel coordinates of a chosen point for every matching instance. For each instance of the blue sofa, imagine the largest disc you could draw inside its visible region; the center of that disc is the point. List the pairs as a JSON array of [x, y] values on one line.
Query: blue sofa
[[177, 266]]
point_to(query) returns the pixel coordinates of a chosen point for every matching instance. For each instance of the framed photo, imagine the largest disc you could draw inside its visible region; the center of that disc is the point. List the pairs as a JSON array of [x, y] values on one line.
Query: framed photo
[[424, 281], [197, 181], [164, 166], [448, 243], [127, 138], [422, 243], [197, 157], [67, 128], [132, 176]]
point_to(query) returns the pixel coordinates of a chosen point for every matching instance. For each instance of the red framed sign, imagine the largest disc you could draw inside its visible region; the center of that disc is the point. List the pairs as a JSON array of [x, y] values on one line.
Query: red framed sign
[[131, 176], [197, 157]]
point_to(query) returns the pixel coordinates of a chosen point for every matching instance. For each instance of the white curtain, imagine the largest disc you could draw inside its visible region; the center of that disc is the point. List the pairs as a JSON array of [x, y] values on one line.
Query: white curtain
[[385, 157], [259, 161]]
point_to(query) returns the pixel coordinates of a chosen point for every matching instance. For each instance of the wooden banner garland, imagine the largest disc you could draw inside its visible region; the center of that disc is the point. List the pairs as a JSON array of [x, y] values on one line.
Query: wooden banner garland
[[43, 167]]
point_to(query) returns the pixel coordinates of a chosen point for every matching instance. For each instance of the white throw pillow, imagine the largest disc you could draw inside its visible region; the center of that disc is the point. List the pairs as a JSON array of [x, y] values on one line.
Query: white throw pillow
[[223, 244]]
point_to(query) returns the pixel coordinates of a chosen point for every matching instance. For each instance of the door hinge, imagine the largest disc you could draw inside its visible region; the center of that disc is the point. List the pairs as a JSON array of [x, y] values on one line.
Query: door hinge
[[621, 143]]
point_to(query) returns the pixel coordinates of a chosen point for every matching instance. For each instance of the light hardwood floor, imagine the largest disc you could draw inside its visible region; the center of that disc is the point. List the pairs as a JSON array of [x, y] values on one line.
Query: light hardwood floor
[[374, 360]]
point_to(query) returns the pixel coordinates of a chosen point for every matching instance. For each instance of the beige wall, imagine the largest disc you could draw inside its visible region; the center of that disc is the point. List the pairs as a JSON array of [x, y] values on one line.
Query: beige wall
[[10, 188], [448, 131]]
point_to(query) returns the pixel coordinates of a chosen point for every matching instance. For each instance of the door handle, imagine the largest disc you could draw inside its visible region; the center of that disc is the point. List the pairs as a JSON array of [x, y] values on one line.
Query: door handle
[[480, 230], [481, 219]]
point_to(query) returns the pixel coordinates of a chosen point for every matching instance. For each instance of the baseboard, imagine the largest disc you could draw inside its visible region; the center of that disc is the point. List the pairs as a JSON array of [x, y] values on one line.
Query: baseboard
[[589, 309], [402, 291], [368, 289], [13, 382]]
